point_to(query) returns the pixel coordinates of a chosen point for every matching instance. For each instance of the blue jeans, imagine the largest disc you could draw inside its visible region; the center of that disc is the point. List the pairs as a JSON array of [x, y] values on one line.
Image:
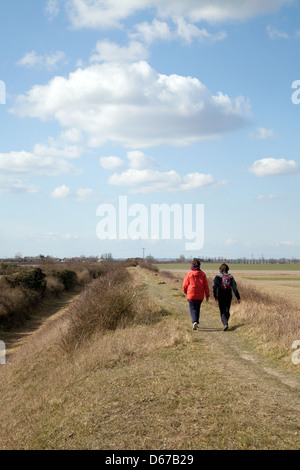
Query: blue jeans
[[195, 310]]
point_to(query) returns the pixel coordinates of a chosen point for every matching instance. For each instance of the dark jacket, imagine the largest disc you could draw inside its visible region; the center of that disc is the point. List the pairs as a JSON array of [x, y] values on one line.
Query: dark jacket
[[222, 293]]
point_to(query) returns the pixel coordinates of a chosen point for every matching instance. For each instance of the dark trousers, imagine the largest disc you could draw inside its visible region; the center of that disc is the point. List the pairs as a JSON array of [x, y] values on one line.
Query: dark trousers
[[195, 310], [224, 306]]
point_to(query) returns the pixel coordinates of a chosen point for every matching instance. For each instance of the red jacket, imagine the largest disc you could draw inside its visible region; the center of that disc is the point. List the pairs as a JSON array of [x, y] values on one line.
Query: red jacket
[[195, 285]]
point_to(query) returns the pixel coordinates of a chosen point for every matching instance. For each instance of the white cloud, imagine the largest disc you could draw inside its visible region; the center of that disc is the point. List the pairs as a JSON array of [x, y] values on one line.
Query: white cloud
[[263, 133], [54, 236], [32, 164], [52, 9], [196, 180], [275, 34], [231, 241], [146, 180], [61, 192], [107, 51], [189, 32], [133, 105], [269, 197], [215, 11], [142, 176], [150, 32], [85, 195], [81, 195], [159, 30], [110, 13], [274, 167], [69, 151], [43, 161], [104, 14], [71, 135], [52, 60], [111, 163], [138, 160], [284, 243], [32, 59], [13, 186]]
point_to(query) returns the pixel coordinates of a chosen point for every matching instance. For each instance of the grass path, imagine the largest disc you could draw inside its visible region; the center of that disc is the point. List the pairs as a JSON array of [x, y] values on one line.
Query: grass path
[[224, 395], [205, 389]]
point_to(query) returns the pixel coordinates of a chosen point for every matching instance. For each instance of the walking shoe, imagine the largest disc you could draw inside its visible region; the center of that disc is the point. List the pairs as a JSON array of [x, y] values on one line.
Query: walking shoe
[[195, 326], [225, 328]]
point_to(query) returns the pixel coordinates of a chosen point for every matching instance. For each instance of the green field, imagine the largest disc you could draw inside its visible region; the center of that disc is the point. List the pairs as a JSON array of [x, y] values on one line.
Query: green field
[[233, 266]]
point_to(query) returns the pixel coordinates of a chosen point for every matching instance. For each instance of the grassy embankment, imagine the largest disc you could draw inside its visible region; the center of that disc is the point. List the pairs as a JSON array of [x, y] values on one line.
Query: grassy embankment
[[25, 290], [111, 322]]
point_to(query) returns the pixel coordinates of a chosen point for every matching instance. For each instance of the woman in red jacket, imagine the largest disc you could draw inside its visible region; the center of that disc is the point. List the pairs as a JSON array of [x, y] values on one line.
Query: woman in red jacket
[[195, 286]]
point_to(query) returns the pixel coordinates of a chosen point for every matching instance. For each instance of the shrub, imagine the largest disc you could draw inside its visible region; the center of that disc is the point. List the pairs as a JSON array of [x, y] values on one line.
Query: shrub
[[147, 265], [97, 270], [7, 269], [54, 287], [110, 302], [131, 262], [97, 308], [168, 274], [67, 278], [23, 289], [83, 277], [29, 280], [16, 305]]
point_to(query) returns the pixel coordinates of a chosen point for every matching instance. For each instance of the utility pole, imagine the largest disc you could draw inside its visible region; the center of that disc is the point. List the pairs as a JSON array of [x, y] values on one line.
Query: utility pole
[[143, 253]]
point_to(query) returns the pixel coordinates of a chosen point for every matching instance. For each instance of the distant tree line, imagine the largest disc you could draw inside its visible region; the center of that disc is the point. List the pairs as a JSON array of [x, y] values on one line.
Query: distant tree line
[[108, 257]]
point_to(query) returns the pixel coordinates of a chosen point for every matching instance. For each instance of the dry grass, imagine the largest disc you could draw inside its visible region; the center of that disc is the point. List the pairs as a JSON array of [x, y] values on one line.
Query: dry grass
[[285, 286], [273, 322], [110, 302], [272, 319], [19, 299], [49, 396], [41, 386], [16, 304], [142, 380]]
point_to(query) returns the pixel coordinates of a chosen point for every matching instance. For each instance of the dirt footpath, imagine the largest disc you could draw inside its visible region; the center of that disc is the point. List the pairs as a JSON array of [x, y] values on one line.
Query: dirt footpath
[[250, 401]]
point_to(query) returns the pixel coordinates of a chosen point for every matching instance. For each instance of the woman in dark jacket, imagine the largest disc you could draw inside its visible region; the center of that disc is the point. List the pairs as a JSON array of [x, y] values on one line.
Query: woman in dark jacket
[[223, 286]]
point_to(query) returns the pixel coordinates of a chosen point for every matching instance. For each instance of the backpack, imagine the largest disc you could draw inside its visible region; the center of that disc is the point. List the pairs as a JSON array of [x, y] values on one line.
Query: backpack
[[226, 282]]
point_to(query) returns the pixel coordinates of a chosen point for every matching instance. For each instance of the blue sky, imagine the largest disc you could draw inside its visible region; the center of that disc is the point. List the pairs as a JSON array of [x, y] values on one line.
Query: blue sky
[[161, 101]]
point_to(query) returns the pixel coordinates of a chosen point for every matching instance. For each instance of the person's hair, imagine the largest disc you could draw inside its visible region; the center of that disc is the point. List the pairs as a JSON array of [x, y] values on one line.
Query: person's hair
[[196, 262], [224, 268]]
